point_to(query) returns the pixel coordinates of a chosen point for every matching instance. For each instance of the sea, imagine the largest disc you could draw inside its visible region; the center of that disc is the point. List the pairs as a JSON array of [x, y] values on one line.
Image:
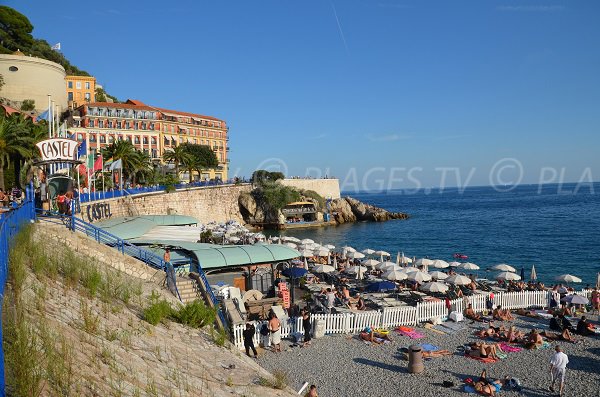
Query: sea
[[554, 227]]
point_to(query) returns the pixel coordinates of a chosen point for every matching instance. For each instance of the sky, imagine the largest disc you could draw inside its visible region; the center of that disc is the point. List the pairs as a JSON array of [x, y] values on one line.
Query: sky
[[383, 94]]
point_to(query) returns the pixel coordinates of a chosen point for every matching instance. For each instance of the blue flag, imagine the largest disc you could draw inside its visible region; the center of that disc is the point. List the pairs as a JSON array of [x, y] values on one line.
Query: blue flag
[[44, 116], [82, 151]]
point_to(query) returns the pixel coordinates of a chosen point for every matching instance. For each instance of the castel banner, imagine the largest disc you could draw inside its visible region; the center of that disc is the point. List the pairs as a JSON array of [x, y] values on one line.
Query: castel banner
[[57, 149]]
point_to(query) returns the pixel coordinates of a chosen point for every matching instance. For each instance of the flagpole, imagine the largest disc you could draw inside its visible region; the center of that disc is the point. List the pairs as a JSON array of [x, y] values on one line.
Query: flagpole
[[102, 175], [48, 116]]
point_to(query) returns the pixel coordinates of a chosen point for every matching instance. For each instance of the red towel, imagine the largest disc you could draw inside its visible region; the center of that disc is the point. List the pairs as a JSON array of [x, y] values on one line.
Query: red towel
[[487, 360]]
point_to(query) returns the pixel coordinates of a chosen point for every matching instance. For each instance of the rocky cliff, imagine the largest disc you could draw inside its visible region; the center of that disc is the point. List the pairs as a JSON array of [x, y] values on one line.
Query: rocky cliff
[[348, 209]]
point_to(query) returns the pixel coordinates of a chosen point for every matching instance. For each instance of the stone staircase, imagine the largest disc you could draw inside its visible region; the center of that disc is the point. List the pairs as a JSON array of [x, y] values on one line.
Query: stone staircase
[[188, 289]]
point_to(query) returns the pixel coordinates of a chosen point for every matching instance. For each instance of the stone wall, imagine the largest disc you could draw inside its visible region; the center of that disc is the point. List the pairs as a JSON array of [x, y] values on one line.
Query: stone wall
[[214, 203], [328, 188]]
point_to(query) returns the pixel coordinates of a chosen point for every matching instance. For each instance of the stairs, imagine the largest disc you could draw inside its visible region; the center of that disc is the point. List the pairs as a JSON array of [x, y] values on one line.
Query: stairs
[[188, 289]]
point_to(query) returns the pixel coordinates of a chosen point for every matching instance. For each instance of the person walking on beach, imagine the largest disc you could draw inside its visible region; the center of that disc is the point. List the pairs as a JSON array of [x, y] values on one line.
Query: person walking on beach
[[249, 339], [558, 367], [275, 328], [306, 326]]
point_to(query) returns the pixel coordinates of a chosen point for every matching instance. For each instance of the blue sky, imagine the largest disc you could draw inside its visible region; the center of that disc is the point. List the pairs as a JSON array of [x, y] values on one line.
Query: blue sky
[[381, 93]]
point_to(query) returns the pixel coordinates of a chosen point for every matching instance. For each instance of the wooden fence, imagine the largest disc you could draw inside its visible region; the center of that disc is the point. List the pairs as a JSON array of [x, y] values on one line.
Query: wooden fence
[[346, 323]]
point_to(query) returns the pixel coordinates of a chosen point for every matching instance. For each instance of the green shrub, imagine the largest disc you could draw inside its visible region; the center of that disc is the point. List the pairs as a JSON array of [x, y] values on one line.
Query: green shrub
[[219, 337], [315, 196], [158, 310], [195, 314]]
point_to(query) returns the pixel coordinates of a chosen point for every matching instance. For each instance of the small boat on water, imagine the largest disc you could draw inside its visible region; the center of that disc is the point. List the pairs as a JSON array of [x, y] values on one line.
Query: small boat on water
[[458, 255]]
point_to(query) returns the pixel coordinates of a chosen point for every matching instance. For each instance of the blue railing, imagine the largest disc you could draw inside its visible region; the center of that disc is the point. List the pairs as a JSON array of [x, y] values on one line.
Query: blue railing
[[87, 197], [212, 296], [11, 223]]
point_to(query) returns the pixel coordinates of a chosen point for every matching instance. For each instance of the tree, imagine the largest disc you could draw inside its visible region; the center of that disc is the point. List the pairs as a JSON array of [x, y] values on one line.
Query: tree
[[16, 143], [201, 157], [129, 156], [178, 156], [263, 176], [28, 105]]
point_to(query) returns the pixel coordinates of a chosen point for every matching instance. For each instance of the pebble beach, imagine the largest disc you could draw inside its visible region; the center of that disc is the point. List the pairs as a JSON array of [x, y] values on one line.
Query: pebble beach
[[343, 365]]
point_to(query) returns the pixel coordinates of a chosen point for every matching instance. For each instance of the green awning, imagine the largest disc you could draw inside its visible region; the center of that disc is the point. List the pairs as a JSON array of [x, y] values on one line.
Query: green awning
[[136, 226]]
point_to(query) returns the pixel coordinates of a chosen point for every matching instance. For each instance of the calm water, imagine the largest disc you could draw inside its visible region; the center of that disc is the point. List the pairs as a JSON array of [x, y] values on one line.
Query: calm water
[[555, 230]]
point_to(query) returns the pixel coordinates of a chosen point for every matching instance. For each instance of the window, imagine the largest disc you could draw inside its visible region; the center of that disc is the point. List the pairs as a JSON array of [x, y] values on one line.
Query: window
[[69, 96], [78, 85], [154, 153], [152, 126], [102, 139], [166, 142], [119, 112], [118, 124], [70, 85], [137, 140], [92, 138], [153, 140], [110, 124], [129, 138], [88, 96], [143, 126], [80, 137], [91, 123], [87, 85], [100, 123], [145, 140], [111, 139]]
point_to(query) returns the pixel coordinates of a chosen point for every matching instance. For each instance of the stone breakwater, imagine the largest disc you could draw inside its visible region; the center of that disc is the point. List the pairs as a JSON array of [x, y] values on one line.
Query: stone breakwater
[[348, 209]]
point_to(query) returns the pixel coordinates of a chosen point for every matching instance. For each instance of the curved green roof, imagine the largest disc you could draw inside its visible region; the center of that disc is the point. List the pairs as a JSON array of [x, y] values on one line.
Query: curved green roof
[[212, 256], [136, 226]]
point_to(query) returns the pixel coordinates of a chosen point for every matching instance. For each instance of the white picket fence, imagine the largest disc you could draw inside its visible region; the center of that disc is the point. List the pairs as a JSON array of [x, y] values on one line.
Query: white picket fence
[[347, 323]]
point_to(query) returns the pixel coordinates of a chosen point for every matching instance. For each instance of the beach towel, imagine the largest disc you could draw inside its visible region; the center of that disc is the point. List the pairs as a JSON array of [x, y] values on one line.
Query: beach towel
[[430, 327], [487, 360], [429, 348], [411, 335], [509, 349], [405, 329], [470, 389], [501, 355]]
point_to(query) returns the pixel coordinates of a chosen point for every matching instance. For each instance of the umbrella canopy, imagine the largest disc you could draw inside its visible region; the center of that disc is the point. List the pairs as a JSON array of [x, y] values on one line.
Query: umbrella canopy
[[440, 264], [294, 272], [423, 262], [357, 269], [381, 286], [385, 265], [307, 241], [394, 275], [355, 255], [307, 253], [469, 266], [510, 276], [322, 252], [371, 263], [438, 275], [330, 247], [568, 278], [533, 275], [348, 249], [503, 267], [405, 259], [368, 251], [457, 279], [455, 264], [434, 287], [410, 269], [419, 277], [291, 245], [381, 253], [323, 269], [576, 300], [389, 267]]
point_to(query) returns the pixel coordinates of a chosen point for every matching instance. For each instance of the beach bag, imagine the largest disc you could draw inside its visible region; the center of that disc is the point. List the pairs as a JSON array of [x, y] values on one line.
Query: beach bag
[[514, 384]]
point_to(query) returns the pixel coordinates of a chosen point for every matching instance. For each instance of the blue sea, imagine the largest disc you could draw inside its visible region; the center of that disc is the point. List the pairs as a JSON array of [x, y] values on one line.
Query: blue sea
[[554, 227]]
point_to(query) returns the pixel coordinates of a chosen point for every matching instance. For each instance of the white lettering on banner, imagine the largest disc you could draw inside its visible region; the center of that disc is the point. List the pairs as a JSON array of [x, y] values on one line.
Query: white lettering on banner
[[58, 149]]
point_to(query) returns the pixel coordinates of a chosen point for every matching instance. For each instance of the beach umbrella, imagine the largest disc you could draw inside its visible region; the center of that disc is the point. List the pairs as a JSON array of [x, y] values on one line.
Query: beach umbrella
[[305, 263], [293, 273], [434, 287], [330, 247], [307, 253], [323, 269], [457, 279], [438, 275], [368, 251], [394, 275], [398, 259], [382, 254], [419, 277], [405, 260], [370, 262], [307, 241], [356, 269], [347, 248], [410, 269], [454, 264], [440, 264], [503, 267], [389, 267], [567, 278], [533, 273], [385, 265], [510, 276], [381, 286], [293, 239], [322, 252], [576, 300], [469, 266], [329, 259], [423, 262], [355, 255], [335, 262], [291, 245]]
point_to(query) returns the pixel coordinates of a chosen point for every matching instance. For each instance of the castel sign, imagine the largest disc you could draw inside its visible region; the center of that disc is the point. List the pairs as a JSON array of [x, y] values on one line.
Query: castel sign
[[58, 149]]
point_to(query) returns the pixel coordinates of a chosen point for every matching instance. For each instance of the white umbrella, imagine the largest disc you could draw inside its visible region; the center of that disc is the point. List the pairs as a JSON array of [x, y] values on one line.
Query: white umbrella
[[419, 277], [434, 287], [469, 266], [305, 263], [322, 252], [457, 279], [394, 275], [423, 262], [356, 269], [355, 255], [307, 241], [384, 265], [368, 251], [323, 269], [568, 278], [382, 254], [291, 245], [510, 276], [438, 275], [503, 267], [410, 269], [330, 247], [335, 262], [307, 253], [440, 264], [370, 262], [533, 273], [348, 249], [455, 264], [405, 260], [389, 267], [398, 259]]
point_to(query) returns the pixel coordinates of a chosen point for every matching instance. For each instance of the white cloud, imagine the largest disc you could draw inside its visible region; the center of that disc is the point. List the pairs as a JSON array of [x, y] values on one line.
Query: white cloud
[[386, 138]]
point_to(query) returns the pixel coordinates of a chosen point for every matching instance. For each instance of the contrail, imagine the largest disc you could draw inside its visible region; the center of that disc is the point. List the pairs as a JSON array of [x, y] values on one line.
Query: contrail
[[339, 26]]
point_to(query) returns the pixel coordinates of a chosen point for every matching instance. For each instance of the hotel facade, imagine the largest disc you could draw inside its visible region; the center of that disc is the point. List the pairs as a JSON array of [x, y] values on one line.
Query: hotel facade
[[151, 130], [80, 90]]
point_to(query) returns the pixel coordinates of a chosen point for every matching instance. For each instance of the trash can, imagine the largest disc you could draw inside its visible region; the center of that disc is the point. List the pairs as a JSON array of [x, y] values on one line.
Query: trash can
[[319, 329], [415, 360]]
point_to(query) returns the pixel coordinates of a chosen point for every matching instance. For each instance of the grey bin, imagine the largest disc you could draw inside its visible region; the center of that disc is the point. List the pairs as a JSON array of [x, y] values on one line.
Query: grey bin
[[415, 359], [319, 328]]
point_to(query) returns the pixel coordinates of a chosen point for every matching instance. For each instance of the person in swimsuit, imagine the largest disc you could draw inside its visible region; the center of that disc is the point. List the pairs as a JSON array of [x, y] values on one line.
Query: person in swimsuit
[[487, 387], [275, 328]]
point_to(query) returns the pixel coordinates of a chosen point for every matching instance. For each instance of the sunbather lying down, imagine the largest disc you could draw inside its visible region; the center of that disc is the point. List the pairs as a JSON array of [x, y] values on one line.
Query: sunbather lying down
[[527, 313], [491, 331], [565, 335], [483, 350], [488, 387], [369, 335], [436, 353]]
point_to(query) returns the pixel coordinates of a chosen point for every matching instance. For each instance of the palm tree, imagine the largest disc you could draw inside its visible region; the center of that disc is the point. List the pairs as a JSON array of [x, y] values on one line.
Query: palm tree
[[124, 151], [142, 165], [16, 143], [177, 156]]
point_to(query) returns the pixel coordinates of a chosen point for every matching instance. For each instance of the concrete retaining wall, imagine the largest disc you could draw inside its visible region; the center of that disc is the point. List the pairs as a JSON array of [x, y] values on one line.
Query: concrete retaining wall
[[328, 188]]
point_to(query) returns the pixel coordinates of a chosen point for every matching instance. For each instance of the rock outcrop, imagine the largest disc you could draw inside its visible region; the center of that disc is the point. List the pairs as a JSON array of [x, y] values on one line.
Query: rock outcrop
[[348, 209]]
